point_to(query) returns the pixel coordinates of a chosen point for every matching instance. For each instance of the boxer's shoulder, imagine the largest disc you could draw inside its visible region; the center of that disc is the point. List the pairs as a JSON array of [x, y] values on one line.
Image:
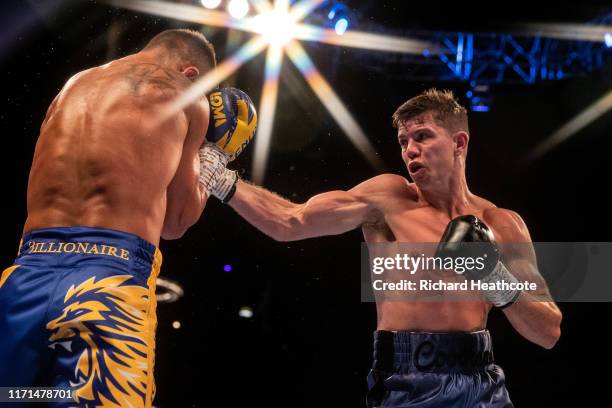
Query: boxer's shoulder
[[392, 185], [507, 224], [385, 191], [501, 216]]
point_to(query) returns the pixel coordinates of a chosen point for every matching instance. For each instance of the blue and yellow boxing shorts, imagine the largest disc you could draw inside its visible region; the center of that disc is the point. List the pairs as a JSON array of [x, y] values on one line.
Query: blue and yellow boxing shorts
[[77, 310]]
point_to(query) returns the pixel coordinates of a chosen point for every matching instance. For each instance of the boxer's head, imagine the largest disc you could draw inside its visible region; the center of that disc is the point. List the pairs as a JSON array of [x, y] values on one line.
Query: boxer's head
[[186, 50], [432, 130]]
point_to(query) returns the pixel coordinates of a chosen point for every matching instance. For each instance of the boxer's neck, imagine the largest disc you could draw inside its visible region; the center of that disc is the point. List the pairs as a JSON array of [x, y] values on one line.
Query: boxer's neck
[[450, 195]]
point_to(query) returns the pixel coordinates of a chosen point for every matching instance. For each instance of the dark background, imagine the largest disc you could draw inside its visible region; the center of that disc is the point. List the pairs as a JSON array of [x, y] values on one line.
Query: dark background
[[309, 341]]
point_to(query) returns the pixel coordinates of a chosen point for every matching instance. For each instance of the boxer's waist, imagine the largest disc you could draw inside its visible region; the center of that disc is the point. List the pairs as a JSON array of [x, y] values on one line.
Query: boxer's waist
[[422, 351], [78, 243]]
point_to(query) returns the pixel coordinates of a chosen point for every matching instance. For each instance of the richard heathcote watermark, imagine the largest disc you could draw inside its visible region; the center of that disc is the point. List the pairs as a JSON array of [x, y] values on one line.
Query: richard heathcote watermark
[[538, 271], [461, 266]]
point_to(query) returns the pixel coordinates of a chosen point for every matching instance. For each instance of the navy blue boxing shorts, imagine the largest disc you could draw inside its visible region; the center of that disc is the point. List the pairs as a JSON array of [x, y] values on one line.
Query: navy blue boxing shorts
[[77, 312], [426, 370]]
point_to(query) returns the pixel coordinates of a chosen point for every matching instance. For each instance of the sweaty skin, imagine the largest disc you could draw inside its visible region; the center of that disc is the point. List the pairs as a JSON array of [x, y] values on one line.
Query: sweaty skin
[[104, 160], [408, 221], [390, 209], [403, 218]]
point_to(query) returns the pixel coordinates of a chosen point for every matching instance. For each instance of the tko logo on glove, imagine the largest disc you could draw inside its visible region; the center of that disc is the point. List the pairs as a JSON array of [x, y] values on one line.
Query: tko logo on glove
[[216, 103]]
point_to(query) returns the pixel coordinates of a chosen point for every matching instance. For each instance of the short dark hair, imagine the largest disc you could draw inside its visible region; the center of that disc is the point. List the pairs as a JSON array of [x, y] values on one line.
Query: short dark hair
[[188, 45], [442, 104]]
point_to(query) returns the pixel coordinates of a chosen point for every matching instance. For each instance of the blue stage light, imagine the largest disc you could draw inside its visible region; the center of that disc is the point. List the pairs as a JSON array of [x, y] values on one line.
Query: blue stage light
[[341, 26], [339, 18]]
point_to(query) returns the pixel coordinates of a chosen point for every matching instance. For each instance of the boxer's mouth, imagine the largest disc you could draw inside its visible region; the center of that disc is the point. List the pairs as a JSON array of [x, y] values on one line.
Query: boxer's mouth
[[415, 167]]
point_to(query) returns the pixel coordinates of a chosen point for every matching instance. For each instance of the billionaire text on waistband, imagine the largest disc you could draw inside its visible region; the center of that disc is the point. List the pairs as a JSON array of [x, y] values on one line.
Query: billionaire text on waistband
[[87, 248]]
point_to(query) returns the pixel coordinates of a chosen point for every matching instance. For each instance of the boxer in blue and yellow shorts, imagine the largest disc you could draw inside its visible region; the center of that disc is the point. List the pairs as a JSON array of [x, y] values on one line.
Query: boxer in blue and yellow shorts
[[117, 166], [77, 310]]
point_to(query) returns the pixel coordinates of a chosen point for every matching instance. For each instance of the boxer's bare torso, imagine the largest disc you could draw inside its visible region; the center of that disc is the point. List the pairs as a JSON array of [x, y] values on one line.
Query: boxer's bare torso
[[102, 158], [404, 218], [389, 209]]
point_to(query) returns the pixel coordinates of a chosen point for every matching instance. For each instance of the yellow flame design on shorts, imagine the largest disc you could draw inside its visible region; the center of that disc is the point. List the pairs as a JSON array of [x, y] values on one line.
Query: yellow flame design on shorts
[[113, 320]]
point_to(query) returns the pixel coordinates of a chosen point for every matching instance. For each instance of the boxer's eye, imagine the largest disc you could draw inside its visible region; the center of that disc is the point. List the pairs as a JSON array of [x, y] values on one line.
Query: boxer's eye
[[419, 137]]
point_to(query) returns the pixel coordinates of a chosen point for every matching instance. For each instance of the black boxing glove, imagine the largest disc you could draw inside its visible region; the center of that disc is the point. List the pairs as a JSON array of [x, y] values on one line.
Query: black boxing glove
[[468, 237]]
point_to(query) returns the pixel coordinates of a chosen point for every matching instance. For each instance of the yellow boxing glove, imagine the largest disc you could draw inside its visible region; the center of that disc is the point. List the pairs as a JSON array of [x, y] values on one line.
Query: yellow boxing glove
[[233, 121], [232, 125]]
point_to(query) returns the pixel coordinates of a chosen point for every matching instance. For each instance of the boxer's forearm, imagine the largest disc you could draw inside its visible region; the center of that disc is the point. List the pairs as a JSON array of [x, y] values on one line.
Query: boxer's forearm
[[265, 210], [329, 213], [537, 321], [534, 315]]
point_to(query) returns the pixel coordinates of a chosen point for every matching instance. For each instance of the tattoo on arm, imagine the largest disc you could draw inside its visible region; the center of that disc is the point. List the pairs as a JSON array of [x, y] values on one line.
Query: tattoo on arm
[[376, 221]]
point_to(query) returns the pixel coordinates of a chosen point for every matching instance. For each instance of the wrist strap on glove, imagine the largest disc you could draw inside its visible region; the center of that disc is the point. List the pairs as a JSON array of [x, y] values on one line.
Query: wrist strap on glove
[[225, 188], [214, 177], [501, 298]]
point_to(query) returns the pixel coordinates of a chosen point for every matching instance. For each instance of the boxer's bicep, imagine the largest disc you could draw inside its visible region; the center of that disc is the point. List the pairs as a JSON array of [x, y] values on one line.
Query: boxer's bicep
[[330, 213], [336, 212]]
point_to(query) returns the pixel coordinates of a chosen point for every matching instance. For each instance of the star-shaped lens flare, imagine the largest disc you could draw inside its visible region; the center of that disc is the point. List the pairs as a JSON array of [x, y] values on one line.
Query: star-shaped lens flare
[[278, 28]]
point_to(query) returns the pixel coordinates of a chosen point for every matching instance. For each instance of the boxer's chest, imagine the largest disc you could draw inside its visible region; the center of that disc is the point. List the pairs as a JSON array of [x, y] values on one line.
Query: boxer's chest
[[421, 225]]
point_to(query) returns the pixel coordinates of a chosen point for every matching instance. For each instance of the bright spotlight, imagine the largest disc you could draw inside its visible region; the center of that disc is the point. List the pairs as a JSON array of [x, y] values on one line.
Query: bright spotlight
[[277, 27], [245, 312], [608, 39], [210, 4], [341, 26], [238, 8]]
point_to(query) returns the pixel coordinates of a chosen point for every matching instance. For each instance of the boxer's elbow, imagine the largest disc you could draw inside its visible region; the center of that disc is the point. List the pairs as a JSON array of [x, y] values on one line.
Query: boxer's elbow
[[553, 331], [173, 230], [280, 235], [275, 229], [170, 234], [283, 232], [288, 226], [551, 340], [177, 223]]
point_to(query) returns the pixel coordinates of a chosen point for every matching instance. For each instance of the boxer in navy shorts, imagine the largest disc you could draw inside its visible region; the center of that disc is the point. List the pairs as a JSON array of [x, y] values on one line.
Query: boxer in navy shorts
[[436, 207]]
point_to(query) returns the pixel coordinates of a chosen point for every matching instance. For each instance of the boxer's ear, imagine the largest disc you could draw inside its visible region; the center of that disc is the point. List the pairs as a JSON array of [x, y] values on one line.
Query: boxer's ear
[[190, 72], [461, 140]]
